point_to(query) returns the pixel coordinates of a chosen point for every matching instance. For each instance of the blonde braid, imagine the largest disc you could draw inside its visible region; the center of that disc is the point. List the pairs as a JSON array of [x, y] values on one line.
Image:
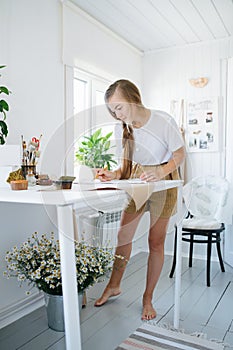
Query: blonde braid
[[128, 149]]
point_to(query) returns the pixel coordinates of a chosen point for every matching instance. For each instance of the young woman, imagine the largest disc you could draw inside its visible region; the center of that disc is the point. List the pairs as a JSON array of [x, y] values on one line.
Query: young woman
[[153, 149]]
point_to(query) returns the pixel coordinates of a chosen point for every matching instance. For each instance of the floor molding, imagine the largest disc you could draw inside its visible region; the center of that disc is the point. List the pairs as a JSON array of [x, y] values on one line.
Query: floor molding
[[22, 308]]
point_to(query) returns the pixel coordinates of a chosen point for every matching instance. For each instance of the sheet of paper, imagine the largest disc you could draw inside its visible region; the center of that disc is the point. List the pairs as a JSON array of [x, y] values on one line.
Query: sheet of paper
[[128, 181], [139, 190]]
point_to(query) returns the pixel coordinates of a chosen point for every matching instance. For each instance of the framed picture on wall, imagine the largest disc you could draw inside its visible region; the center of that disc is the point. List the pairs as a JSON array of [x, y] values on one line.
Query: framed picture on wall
[[202, 125]]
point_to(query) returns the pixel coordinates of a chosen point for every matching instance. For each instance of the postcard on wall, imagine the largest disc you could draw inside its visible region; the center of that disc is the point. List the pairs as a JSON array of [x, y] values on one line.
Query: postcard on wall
[[202, 125]]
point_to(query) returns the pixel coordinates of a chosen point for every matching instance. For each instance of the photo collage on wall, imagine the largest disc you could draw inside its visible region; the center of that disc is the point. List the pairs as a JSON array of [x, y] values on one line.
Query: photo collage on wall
[[202, 125]]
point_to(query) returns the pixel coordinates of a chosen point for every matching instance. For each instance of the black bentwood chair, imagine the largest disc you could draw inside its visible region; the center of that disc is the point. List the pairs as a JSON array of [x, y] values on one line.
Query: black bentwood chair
[[205, 199]]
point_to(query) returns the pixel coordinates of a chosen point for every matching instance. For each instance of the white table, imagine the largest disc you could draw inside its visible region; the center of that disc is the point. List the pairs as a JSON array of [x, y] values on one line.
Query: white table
[[65, 201]]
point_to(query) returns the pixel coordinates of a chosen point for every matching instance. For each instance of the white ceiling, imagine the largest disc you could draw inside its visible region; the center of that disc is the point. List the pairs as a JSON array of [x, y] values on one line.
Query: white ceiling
[[159, 24]]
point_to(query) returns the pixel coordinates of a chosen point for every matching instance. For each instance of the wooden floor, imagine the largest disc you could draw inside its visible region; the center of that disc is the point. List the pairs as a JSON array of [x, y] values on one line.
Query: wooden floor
[[203, 310]]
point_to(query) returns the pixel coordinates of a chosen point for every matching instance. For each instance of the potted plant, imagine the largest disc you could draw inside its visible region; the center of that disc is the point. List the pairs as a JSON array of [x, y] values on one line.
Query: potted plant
[[4, 108], [37, 261], [94, 151]]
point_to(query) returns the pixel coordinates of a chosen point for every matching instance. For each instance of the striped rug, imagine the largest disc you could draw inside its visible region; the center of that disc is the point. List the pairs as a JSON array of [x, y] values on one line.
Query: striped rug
[[149, 337]]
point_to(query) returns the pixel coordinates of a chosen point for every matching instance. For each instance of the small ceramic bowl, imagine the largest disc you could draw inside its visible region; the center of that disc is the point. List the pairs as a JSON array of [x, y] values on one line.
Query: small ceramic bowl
[[17, 185]]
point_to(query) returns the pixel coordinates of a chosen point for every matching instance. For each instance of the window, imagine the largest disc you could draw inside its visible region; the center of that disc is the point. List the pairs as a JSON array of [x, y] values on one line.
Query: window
[[89, 107]]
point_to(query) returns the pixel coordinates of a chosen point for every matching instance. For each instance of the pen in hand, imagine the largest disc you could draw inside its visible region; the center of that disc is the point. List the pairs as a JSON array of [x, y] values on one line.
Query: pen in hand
[[105, 175], [98, 172]]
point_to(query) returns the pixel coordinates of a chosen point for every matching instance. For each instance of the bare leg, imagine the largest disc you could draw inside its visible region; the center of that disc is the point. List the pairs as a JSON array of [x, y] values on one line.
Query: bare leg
[[126, 233], [156, 240]]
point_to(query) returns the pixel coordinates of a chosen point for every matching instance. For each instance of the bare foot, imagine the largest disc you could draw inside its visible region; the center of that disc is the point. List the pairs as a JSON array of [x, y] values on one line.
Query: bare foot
[[148, 312], [108, 293]]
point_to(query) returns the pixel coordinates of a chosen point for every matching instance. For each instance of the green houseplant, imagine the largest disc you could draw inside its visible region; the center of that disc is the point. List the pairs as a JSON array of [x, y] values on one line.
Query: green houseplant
[[94, 151], [4, 108]]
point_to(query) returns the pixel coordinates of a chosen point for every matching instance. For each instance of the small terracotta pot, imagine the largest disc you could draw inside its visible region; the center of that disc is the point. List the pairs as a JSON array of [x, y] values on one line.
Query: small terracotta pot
[[17, 185]]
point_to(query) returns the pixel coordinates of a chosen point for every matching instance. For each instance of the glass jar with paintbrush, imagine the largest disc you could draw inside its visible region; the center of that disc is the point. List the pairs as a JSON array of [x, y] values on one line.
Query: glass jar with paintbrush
[[30, 155]]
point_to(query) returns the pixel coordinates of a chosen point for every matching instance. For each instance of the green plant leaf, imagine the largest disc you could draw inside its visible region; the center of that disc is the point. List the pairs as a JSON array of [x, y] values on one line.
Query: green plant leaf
[[87, 137], [3, 132], [107, 145], [96, 134], [4, 90], [2, 140], [108, 135], [4, 106]]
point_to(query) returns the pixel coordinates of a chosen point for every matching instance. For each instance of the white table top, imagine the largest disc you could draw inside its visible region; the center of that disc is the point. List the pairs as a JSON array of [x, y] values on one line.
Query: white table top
[[78, 193]]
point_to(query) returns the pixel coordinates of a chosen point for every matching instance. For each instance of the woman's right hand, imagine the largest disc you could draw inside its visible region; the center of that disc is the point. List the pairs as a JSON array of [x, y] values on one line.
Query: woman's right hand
[[105, 175]]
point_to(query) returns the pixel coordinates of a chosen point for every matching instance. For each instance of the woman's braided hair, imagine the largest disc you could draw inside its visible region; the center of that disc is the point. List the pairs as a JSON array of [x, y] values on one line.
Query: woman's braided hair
[[131, 94]]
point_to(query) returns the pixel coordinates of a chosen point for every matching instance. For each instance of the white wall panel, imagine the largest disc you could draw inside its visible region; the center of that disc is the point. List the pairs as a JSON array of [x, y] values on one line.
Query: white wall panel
[[166, 77], [31, 51], [100, 52]]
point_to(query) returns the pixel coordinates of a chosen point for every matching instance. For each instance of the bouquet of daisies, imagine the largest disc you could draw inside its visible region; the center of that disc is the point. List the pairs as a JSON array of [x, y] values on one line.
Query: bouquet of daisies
[[37, 261]]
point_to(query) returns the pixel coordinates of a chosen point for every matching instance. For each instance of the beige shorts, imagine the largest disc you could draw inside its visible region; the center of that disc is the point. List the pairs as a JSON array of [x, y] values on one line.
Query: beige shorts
[[161, 204]]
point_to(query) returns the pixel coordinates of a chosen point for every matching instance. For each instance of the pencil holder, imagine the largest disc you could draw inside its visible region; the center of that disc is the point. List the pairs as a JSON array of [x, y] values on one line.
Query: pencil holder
[[26, 169]]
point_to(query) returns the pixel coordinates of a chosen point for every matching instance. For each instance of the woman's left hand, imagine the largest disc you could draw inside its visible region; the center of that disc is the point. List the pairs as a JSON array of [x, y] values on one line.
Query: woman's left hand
[[158, 173], [152, 175]]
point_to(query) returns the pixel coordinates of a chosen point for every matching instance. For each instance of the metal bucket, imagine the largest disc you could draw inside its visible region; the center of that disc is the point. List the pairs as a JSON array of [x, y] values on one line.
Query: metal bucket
[[55, 313]]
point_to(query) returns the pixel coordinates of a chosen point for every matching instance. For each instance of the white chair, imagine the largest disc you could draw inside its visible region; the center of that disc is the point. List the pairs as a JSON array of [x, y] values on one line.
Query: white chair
[[206, 202]]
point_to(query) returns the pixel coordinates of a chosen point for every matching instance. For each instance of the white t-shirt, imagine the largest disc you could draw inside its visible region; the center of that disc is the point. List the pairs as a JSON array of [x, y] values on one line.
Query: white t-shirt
[[155, 141]]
